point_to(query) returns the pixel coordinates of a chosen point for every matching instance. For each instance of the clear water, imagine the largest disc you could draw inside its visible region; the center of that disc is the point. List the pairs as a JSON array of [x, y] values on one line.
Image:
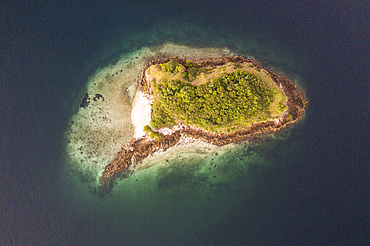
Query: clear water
[[304, 186]]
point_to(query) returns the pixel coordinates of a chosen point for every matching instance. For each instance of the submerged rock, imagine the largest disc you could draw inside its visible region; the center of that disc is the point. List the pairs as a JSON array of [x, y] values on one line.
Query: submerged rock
[[85, 101], [97, 97]]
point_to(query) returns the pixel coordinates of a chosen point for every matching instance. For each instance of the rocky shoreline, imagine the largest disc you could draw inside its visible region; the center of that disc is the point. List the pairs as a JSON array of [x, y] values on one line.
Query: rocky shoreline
[[139, 149]]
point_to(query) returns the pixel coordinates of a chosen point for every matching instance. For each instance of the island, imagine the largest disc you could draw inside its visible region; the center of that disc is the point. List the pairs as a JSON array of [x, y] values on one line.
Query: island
[[219, 100]]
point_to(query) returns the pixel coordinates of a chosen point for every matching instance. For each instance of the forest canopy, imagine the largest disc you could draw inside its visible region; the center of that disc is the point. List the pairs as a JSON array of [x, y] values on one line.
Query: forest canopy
[[226, 103]]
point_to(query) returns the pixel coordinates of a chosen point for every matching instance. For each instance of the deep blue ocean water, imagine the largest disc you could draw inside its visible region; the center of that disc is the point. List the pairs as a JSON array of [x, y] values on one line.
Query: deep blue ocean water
[[313, 188]]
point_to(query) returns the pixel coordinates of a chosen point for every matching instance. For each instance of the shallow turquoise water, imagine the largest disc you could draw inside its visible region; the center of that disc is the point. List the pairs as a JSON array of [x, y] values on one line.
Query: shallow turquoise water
[[195, 189]]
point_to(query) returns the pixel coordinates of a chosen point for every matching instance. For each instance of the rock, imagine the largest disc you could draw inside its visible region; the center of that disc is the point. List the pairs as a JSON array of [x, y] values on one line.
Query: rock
[[97, 97], [85, 101]]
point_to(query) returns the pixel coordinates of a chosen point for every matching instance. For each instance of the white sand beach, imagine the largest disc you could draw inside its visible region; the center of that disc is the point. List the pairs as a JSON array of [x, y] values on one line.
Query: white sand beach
[[140, 113]]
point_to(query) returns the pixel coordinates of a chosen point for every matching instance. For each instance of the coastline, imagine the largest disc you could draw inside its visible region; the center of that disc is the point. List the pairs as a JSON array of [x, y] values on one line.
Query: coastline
[[140, 113], [140, 148]]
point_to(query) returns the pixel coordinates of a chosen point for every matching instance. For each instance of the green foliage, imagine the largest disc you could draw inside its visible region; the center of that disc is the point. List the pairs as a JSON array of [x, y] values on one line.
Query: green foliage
[[145, 87], [171, 67], [237, 65], [227, 102], [190, 64], [148, 130], [207, 69], [281, 106], [191, 71]]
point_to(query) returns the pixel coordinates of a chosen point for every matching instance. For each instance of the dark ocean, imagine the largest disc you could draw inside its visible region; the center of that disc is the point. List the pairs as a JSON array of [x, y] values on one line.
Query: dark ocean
[[306, 186]]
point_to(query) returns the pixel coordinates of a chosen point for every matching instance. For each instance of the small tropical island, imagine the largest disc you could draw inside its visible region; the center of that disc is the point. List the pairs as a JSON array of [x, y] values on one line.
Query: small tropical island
[[219, 101]]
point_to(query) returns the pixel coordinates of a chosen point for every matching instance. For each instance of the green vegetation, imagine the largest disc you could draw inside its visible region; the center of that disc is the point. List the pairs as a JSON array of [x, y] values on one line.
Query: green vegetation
[[207, 70], [237, 65], [171, 67], [148, 130], [191, 71], [281, 106], [226, 103]]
